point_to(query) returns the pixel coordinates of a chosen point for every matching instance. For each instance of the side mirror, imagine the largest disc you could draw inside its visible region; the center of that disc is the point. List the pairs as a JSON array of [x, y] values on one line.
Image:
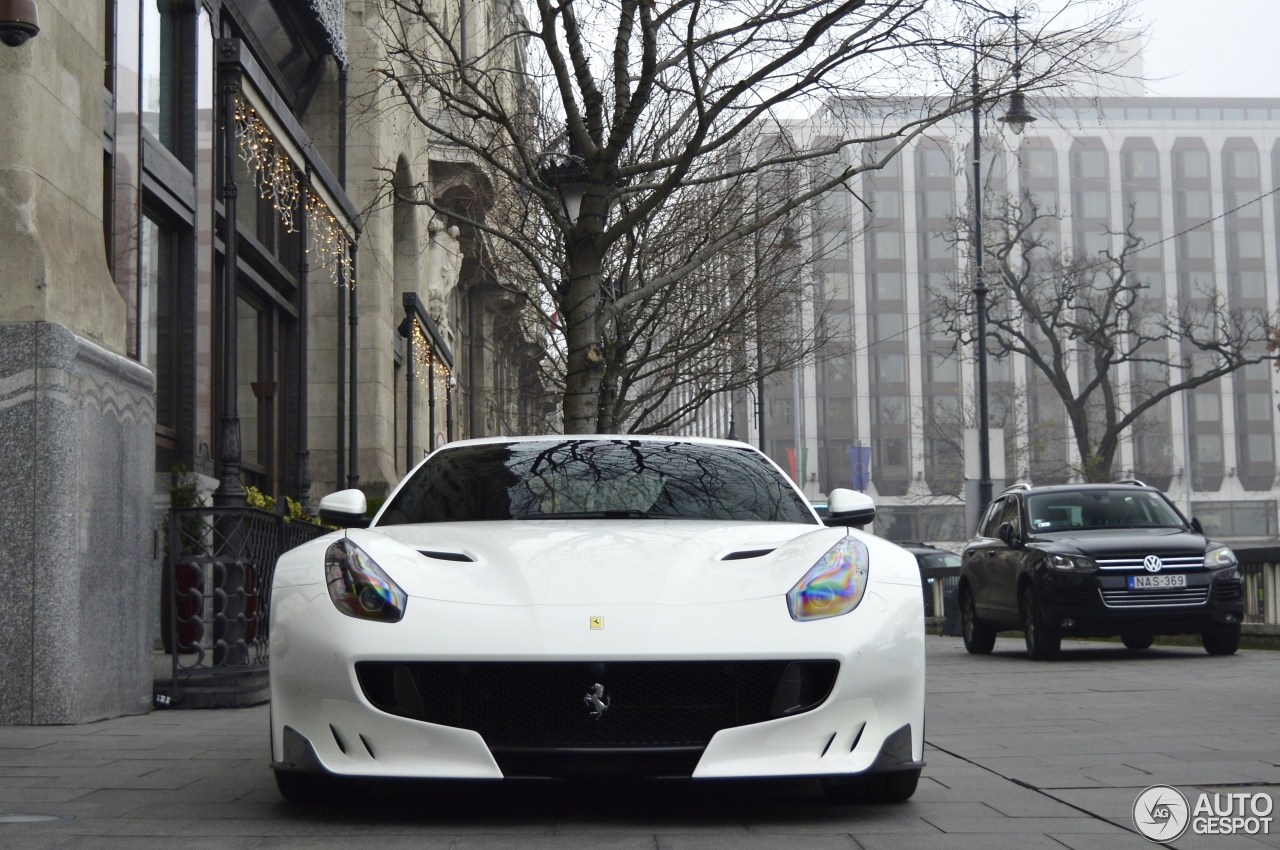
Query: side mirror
[[345, 508], [1009, 536], [1197, 527], [849, 508]]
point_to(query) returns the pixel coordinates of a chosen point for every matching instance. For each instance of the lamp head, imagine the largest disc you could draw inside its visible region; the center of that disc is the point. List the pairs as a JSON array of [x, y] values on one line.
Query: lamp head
[[1017, 117]]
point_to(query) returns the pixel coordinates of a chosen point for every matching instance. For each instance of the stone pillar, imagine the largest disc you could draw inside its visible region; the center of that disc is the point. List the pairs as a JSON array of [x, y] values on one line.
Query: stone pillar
[[77, 458]]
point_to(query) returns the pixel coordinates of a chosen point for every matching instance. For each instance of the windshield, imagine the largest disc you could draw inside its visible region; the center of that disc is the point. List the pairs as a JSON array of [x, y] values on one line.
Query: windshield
[[596, 479], [1093, 509]]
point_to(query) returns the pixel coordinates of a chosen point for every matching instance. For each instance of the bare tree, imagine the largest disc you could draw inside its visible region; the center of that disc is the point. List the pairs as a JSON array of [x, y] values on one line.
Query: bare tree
[[642, 105], [1097, 333]]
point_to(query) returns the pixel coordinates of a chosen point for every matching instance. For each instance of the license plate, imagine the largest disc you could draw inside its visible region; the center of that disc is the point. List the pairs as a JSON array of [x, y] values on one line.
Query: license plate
[[1149, 582]]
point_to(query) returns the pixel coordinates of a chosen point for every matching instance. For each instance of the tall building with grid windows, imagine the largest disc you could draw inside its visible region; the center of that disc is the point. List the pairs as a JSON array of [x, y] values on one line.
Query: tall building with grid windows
[[1194, 178]]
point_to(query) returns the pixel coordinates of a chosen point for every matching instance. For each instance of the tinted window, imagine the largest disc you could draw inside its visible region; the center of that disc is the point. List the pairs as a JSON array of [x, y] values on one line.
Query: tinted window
[[1101, 509], [596, 479]]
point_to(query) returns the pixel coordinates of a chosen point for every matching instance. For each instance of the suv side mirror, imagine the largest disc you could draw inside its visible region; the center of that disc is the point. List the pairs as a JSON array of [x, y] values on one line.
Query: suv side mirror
[[850, 508], [1196, 527], [1009, 536], [345, 508]]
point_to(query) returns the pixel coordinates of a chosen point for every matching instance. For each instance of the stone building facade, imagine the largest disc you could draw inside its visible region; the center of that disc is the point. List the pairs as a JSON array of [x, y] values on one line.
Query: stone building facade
[[206, 270]]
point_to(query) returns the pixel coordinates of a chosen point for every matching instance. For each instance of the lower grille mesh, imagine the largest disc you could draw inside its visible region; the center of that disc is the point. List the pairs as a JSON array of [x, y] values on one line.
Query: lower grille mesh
[[542, 705]]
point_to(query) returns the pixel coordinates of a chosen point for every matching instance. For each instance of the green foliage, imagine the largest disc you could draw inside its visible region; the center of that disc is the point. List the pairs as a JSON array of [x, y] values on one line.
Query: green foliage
[[184, 492]]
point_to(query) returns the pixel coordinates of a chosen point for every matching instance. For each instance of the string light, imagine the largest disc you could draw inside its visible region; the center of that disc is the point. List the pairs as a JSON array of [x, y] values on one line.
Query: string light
[[329, 241], [276, 178], [429, 368], [274, 173]]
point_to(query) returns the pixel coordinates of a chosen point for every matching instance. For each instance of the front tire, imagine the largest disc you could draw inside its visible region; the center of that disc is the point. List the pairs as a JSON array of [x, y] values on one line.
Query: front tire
[[1044, 642], [1137, 641], [979, 637], [1221, 643], [894, 787]]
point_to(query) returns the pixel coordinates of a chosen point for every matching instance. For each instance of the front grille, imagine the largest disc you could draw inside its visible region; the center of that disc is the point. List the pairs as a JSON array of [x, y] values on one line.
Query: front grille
[[544, 705], [1165, 597], [1228, 592], [1133, 563]]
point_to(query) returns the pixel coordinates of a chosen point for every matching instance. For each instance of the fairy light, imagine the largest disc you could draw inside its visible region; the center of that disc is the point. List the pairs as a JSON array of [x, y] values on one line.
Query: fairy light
[[429, 368], [329, 242], [277, 181], [274, 173]]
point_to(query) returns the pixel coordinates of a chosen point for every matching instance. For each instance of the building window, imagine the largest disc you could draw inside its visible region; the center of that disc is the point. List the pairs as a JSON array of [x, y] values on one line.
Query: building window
[[887, 246], [157, 326], [1145, 203], [890, 409], [1090, 164], [1141, 164], [934, 162], [1243, 165], [1192, 164], [888, 286], [891, 369], [1194, 205], [1041, 163]]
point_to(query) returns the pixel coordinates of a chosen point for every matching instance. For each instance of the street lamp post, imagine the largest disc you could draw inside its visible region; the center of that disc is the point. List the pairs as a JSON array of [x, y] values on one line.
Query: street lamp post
[[1017, 118]]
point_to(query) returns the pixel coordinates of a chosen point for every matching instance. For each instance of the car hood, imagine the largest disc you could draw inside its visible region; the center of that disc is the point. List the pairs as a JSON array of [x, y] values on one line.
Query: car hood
[[606, 561], [1125, 542]]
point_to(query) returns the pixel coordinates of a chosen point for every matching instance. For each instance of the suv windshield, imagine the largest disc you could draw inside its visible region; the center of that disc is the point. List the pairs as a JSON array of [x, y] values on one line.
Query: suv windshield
[[1093, 509], [596, 479]]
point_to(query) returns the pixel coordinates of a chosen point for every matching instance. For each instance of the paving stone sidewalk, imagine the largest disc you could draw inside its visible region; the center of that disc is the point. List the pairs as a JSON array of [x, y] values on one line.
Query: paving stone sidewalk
[[1021, 754]]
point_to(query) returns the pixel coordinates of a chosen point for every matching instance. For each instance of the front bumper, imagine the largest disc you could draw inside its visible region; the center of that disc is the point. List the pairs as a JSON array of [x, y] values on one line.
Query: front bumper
[[324, 720], [1103, 604]]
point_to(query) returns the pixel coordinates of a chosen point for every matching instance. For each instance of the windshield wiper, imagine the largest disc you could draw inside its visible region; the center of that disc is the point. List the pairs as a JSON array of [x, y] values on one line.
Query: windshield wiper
[[614, 514]]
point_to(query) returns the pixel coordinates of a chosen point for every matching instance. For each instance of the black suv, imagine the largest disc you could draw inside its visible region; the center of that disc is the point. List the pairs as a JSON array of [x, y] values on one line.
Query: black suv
[[1096, 560]]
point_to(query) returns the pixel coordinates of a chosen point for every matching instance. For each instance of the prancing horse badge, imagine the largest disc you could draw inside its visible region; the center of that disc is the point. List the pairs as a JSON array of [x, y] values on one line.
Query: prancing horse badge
[[597, 623]]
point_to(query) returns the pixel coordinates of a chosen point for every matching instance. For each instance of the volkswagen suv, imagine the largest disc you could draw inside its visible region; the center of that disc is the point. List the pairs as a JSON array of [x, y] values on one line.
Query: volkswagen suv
[[1096, 560]]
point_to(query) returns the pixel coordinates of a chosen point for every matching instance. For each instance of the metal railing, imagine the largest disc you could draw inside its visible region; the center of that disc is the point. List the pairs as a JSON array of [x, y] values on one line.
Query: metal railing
[[216, 599]]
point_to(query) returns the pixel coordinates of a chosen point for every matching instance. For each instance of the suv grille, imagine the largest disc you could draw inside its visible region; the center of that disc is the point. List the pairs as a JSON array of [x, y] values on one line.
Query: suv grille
[[652, 704], [1171, 562], [1155, 598]]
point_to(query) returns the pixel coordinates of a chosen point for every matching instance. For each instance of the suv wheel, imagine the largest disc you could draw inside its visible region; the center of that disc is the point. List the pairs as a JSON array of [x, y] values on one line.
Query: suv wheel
[[979, 637], [1044, 642], [1137, 641], [1221, 643]]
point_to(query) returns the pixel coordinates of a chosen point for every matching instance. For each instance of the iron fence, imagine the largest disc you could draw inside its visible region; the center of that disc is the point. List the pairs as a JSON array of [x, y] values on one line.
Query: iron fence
[[216, 599]]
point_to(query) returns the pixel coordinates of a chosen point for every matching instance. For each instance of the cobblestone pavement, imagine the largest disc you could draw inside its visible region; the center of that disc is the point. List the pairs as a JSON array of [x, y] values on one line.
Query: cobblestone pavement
[[1020, 754]]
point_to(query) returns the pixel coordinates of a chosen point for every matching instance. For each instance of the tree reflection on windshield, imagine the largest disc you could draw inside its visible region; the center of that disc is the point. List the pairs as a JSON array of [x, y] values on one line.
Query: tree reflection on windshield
[[587, 479]]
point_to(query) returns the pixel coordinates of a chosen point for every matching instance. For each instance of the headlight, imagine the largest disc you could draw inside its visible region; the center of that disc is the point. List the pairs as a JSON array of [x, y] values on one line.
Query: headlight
[[358, 587], [1073, 563], [833, 586], [1219, 557]]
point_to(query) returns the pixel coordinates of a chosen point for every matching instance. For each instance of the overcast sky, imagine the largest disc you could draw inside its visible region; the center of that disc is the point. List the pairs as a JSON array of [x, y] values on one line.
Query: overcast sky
[[1212, 48]]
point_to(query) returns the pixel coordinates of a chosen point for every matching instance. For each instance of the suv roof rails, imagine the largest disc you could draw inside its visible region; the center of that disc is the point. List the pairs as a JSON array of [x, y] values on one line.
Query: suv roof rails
[[1021, 485], [1135, 482]]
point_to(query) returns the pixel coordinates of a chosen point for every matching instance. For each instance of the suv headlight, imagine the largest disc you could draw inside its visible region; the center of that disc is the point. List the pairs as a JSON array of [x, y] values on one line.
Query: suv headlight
[[1073, 563], [358, 586], [1219, 557], [834, 585]]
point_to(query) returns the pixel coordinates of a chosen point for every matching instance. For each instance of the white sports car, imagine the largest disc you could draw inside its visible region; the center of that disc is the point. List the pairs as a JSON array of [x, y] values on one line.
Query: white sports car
[[620, 605]]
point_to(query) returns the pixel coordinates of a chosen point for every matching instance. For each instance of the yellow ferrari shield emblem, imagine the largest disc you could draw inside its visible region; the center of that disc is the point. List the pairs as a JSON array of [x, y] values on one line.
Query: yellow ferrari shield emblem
[[597, 623]]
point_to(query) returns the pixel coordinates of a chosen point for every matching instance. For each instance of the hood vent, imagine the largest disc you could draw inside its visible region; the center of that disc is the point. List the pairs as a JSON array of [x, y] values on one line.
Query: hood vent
[[746, 553], [446, 556]]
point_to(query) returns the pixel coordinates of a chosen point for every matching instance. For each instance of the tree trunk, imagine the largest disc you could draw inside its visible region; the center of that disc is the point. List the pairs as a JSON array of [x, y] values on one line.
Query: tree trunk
[[585, 362]]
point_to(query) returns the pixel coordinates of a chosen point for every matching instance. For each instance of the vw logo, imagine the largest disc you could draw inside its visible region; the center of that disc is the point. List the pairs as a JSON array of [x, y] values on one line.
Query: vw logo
[[1152, 564]]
